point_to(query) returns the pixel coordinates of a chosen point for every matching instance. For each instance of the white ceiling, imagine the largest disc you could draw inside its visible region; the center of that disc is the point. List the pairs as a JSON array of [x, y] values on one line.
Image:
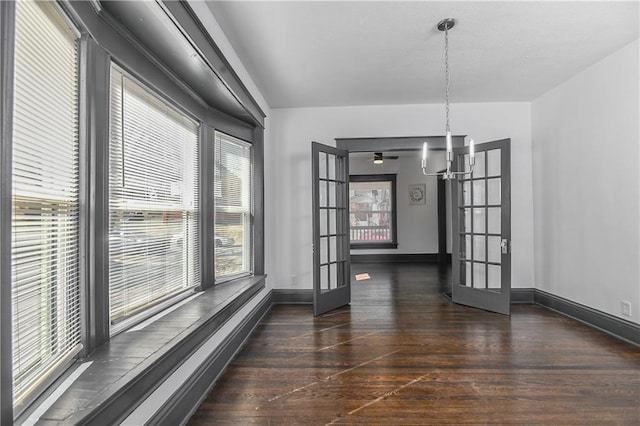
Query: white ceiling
[[330, 53]]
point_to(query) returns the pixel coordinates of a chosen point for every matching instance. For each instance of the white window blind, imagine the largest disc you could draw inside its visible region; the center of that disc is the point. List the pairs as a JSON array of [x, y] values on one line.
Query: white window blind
[[153, 199], [45, 258], [233, 207]]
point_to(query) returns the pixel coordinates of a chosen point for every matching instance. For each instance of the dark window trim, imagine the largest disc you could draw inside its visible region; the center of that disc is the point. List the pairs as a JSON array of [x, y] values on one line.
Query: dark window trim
[[394, 211], [7, 38]]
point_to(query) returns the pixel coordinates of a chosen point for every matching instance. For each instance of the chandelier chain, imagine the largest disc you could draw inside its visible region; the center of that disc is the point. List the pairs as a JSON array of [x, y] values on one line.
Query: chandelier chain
[[446, 73]]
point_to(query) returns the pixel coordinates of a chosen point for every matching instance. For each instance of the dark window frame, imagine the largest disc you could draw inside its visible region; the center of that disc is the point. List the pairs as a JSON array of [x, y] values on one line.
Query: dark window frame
[[393, 244]]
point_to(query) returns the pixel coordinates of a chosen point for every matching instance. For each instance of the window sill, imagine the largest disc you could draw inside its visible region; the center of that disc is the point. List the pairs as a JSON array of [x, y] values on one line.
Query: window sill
[[129, 367], [363, 246]]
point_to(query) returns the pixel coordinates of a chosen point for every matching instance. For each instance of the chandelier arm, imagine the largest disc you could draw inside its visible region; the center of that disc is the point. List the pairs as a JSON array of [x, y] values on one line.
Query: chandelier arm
[[465, 172], [424, 172]]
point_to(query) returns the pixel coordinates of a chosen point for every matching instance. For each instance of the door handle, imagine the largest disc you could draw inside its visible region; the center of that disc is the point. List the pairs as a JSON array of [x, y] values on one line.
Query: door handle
[[504, 246]]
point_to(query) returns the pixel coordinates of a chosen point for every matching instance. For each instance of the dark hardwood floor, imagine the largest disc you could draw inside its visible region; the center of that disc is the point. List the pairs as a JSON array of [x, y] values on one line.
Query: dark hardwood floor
[[404, 354]]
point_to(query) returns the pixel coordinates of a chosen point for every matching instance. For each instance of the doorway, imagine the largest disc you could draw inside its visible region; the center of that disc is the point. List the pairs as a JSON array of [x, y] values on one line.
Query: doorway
[[489, 294]]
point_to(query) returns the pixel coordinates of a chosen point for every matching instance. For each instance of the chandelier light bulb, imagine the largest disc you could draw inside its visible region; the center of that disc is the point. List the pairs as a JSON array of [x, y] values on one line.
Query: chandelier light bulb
[[425, 149]]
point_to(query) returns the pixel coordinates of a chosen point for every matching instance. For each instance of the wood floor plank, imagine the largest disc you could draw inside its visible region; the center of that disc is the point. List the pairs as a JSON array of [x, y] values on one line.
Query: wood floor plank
[[403, 354]]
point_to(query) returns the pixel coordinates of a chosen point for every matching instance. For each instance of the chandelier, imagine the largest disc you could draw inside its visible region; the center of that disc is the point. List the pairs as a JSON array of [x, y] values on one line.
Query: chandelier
[[445, 25]]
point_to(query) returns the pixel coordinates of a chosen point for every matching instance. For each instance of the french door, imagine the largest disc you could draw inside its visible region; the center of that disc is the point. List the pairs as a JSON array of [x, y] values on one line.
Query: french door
[[331, 266], [482, 228]]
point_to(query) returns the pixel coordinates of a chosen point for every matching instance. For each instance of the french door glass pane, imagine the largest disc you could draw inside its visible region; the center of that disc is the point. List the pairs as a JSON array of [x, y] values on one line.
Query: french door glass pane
[[494, 250], [493, 219], [493, 186], [478, 192], [479, 277], [479, 250], [479, 220], [493, 162], [479, 168], [494, 277]]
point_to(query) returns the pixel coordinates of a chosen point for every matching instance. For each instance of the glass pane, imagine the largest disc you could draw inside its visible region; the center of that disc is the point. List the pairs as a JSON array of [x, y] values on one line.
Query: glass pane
[[494, 276], [332, 221], [323, 222], [465, 274], [478, 169], [493, 162], [479, 248], [478, 192], [322, 166], [324, 278], [322, 192], [466, 242], [493, 249], [333, 276], [494, 220], [323, 250], [466, 220], [332, 166], [493, 186], [466, 193], [479, 278], [332, 194], [479, 221], [333, 249]]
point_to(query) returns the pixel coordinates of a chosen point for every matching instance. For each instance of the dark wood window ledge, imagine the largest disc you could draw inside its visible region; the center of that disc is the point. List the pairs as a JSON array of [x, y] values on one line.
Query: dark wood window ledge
[[133, 364]]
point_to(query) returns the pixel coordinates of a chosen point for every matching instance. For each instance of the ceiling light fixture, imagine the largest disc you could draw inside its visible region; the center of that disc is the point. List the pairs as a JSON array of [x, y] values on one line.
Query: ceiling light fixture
[[445, 25], [377, 158]]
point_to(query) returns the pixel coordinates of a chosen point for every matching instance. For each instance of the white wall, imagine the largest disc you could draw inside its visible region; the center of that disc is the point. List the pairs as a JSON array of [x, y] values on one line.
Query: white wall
[[292, 131], [586, 185], [417, 224]]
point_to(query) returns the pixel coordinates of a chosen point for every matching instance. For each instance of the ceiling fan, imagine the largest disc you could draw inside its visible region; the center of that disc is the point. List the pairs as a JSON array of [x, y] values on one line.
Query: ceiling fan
[[378, 157]]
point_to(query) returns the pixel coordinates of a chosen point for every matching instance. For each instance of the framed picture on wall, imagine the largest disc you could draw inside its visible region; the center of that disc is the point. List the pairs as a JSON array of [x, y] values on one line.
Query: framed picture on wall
[[417, 194]]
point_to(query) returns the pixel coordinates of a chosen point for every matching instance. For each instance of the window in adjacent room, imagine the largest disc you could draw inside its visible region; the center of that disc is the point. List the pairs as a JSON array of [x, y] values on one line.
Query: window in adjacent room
[[372, 211], [233, 232], [45, 221], [153, 201]]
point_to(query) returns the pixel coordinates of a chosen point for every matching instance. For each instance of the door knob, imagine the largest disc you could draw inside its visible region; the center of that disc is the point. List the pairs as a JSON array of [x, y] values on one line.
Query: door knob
[[504, 246]]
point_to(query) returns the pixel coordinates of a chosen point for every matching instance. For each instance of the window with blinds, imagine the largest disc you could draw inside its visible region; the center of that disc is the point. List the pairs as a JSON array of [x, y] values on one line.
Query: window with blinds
[[233, 207], [45, 258], [153, 200]]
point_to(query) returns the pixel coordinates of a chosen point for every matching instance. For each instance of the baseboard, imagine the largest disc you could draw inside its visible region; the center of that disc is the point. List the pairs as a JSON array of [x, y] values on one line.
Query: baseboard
[[292, 296], [523, 295], [395, 258], [617, 327], [188, 397]]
